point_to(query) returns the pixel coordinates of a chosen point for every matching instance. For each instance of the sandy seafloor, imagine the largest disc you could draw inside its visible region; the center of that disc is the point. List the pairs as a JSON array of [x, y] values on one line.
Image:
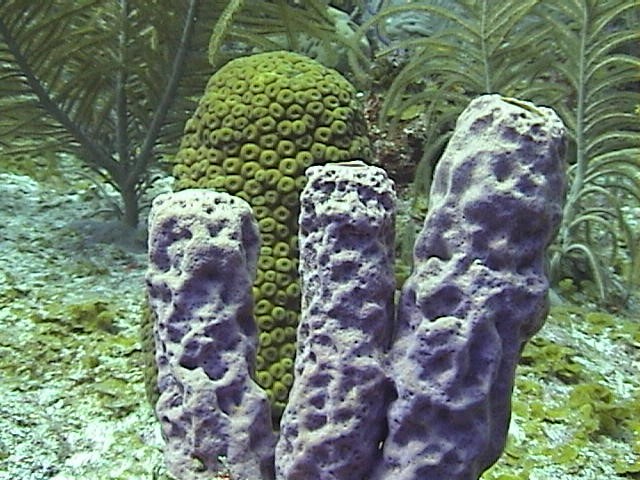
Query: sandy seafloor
[[72, 402]]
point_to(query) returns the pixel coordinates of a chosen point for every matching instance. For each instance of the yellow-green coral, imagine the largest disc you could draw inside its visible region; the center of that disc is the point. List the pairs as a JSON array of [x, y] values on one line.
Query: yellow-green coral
[[147, 343], [263, 119]]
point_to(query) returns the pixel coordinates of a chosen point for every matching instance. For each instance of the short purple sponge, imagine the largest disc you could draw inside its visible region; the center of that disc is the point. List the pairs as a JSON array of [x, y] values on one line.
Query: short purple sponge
[[478, 292], [333, 424], [203, 248]]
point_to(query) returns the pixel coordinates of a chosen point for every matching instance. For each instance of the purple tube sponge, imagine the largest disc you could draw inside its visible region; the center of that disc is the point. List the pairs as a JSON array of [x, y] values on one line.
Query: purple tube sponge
[[203, 248], [333, 424], [478, 291]]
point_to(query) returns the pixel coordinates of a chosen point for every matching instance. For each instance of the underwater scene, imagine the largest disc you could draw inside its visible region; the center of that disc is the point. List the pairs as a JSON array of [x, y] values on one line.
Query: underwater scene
[[320, 240]]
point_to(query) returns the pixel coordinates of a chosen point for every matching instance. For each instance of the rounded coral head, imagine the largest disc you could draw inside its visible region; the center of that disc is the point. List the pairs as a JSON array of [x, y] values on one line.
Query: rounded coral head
[[263, 119], [280, 109]]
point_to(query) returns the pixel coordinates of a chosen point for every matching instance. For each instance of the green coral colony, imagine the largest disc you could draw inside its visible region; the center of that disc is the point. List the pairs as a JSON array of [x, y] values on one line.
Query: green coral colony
[[263, 119]]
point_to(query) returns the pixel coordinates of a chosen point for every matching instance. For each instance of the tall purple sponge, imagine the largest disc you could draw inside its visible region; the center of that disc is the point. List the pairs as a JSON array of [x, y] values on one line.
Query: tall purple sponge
[[478, 291], [333, 424], [202, 260]]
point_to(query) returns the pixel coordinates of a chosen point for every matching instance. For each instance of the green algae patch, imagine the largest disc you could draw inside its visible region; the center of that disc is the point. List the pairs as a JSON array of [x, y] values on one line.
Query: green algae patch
[[41, 168], [550, 359], [86, 316], [576, 400], [84, 358]]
